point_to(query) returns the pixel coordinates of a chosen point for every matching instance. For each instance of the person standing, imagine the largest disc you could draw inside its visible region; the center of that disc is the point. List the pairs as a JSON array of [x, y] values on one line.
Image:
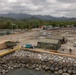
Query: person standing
[[70, 50]]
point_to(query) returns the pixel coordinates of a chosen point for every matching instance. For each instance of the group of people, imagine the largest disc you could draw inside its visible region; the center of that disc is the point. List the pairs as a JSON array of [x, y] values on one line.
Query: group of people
[[70, 50]]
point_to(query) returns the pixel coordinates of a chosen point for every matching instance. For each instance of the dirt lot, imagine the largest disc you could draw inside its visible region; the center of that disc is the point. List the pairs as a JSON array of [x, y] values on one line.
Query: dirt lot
[[33, 36], [23, 38], [71, 39]]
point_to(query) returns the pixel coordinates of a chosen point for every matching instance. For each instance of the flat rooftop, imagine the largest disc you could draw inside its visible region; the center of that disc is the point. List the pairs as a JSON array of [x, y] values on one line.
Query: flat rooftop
[[53, 41], [54, 37]]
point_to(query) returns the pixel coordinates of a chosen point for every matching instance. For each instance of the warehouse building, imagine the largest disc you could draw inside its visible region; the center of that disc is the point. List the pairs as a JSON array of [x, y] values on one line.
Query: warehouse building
[[52, 44]]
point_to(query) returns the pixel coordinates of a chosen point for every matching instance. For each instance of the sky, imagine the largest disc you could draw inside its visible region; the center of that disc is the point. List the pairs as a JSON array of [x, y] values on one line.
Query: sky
[[58, 8]]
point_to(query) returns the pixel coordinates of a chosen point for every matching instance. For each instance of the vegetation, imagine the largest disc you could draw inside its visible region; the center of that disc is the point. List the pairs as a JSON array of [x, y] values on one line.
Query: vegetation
[[9, 23]]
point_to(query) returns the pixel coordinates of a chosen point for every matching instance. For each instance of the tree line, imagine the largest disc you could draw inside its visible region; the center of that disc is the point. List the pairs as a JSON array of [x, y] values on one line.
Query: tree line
[[29, 24]]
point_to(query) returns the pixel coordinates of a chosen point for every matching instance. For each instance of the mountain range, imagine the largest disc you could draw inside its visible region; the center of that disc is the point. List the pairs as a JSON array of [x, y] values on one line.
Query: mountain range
[[28, 16]]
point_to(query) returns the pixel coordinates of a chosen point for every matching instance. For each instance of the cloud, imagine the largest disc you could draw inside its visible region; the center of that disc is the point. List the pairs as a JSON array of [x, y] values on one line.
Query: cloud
[[67, 1], [40, 7]]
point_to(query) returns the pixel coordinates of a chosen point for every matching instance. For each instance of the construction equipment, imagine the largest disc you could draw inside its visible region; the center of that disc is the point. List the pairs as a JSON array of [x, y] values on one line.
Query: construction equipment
[[10, 44]]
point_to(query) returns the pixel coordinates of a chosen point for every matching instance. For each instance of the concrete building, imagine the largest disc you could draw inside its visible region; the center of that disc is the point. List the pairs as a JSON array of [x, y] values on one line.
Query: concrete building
[[52, 44]]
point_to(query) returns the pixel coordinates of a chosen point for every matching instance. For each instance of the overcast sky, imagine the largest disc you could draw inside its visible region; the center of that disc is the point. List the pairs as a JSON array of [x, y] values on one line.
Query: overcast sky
[[40, 7]]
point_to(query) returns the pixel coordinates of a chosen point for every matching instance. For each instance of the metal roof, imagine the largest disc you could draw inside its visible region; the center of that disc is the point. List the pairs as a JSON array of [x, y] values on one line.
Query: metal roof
[[54, 37], [52, 41]]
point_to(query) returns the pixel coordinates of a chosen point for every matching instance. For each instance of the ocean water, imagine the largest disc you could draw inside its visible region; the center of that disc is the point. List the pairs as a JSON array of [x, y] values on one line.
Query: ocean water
[[23, 71]]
